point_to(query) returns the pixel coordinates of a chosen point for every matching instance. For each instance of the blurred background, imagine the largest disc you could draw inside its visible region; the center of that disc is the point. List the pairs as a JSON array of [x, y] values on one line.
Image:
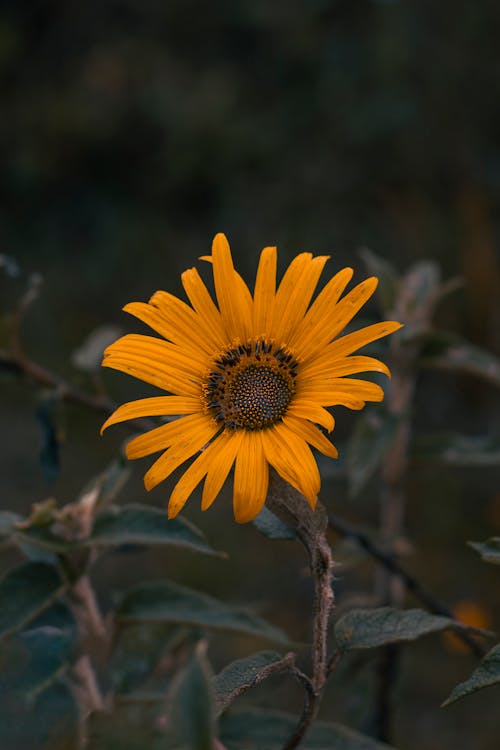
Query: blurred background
[[131, 132]]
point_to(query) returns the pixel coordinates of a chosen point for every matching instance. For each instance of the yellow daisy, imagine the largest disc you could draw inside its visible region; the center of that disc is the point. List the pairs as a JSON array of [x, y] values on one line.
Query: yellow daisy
[[248, 378]]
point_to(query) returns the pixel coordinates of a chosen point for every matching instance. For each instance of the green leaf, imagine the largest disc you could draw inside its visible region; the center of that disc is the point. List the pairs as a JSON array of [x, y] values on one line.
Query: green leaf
[[49, 722], [372, 435], [446, 351], [190, 706], [256, 729], [454, 449], [25, 592], [489, 550], [241, 675], [369, 628], [33, 659], [164, 601], [389, 281], [140, 650], [142, 524], [487, 674], [272, 527]]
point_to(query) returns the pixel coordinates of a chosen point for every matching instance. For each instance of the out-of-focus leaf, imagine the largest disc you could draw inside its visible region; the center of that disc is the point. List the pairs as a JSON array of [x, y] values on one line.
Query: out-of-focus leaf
[[48, 416], [370, 439], [164, 601], [190, 705], [487, 674], [241, 675], [128, 727], [369, 628], [33, 659], [489, 550], [142, 524], [49, 722], [107, 485], [446, 351], [88, 356], [7, 522], [458, 450], [25, 592], [272, 527], [389, 281], [256, 729], [139, 649]]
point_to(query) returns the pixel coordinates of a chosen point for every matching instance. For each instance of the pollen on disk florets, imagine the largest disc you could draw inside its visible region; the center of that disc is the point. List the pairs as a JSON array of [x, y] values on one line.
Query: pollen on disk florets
[[251, 385]]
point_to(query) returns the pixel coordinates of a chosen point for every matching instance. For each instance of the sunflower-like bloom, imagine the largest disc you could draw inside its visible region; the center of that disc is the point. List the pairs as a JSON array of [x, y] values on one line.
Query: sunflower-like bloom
[[248, 378]]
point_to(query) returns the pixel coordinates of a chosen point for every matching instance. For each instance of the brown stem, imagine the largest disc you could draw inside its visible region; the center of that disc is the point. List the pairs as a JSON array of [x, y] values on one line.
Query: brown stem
[[311, 705], [310, 526]]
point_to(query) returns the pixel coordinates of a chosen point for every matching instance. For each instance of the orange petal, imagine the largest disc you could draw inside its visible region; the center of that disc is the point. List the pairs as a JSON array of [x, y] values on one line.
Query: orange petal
[[233, 296], [311, 434], [228, 445], [264, 293], [166, 435], [159, 406], [251, 477]]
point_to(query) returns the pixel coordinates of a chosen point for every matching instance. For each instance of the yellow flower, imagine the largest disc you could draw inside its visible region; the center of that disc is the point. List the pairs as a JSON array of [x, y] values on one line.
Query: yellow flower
[[249, 377]]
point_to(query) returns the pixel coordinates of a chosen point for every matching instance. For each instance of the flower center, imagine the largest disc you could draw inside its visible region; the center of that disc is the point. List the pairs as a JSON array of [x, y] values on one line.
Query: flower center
[[251, 386]]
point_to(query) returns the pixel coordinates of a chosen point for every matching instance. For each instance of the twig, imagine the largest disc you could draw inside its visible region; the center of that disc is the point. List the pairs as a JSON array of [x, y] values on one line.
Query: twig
[[311, 705]]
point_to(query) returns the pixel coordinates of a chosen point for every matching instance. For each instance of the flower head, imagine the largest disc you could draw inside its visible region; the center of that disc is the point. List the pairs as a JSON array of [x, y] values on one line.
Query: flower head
[[250, 378]]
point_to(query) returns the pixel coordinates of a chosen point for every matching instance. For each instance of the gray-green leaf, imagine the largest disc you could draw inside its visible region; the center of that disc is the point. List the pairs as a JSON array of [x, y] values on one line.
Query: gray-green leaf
[[369, 628], [455, 449], [272, 527], [143, 524], [370, 439], [164, 601], [25, 592], [446, 351], [255, 729], [487, 674], [489, 550], [243, 674], [190, 715]]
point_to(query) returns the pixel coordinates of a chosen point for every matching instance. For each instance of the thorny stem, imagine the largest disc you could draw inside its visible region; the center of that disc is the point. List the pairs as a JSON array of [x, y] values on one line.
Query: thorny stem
[[292, 507]]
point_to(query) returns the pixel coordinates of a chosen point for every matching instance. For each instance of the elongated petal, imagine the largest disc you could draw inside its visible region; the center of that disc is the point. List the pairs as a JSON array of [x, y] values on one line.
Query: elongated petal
[[235, 307], [355, 340], [313, 411], [294, 294], [228, 445], [264, 293], [175, 321], [179, 452], [160, 352], [303, 338], [339, 391], [163, 377], [333, 367], [200, 298], [311, 434], [167, 434], [159, 406], [336, 317], [190, 480], [293, 460], [251, 478]]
